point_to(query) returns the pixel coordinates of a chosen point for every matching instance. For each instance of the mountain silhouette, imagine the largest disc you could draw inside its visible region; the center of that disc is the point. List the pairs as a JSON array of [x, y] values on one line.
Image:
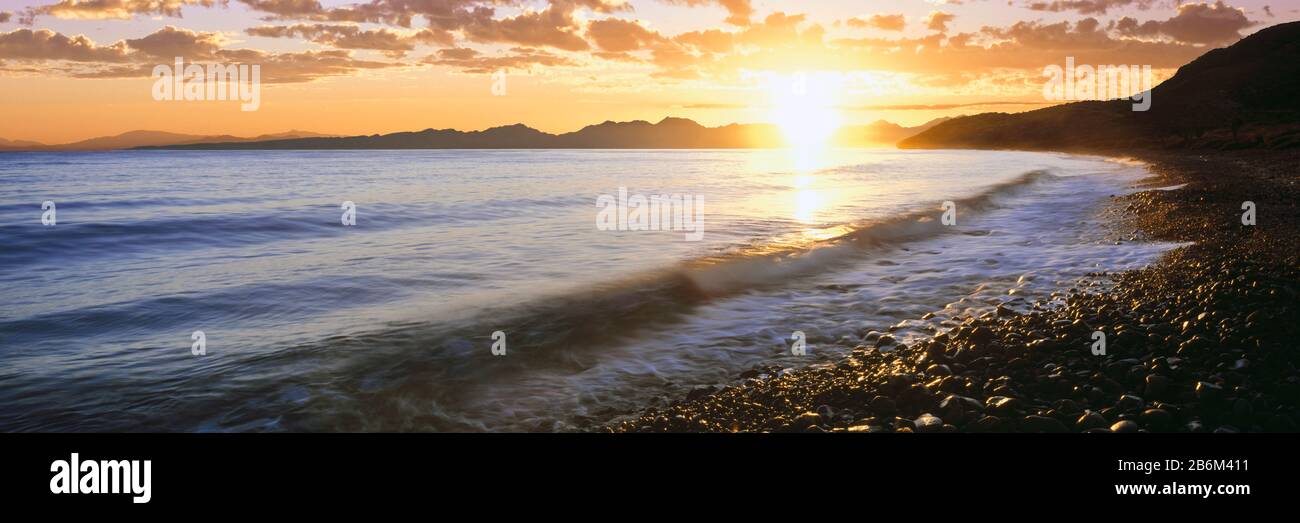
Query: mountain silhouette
[[1244, 96], [669, 133], [132, 139]]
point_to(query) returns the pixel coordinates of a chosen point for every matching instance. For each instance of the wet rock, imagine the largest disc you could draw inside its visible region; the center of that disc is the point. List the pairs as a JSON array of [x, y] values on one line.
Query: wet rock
[[1206, 391], [700, 392], [1129, 402], [1156, 386], [985, 424], [1090, 420], [1042, 424], [1156, 419], [825, 412], [1002, 405], [1126, 426], [981, 336], [927, 423], [806, 420], [883, 406]]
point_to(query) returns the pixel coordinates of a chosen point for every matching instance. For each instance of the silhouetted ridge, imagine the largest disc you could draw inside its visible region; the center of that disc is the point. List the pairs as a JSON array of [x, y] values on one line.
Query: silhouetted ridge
[[1242, 96], [669, 133]]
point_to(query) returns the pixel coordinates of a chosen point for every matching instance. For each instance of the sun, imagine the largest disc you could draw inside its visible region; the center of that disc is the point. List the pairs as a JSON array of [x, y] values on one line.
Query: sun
[[804, 107]]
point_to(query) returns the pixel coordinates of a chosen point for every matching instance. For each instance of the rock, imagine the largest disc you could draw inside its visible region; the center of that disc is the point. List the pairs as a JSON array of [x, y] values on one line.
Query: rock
[[1091, 419], [825, 412], [985, 424], [872, 429], [1129, 402], [1002, 405], [1042, 424], [883, 406], [700, 392], [981, 336], [806, 420], [1156, 386], [885, 341], [927, 423], [938, 370], [1126, 426], [1157, 419], [1206, 391]]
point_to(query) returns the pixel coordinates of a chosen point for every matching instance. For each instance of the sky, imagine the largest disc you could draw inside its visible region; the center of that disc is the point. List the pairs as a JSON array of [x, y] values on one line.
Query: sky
[[77, 69]]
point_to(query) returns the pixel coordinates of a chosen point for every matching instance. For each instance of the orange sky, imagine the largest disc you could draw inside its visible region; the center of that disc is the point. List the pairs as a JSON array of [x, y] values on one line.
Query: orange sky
[[75, 69]]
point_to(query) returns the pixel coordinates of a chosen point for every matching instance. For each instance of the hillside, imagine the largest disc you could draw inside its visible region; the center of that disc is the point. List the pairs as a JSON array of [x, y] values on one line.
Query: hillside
[[1242, 96]]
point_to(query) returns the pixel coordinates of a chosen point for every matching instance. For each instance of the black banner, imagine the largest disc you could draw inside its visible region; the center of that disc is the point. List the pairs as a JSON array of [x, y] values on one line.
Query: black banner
[[157, 471]]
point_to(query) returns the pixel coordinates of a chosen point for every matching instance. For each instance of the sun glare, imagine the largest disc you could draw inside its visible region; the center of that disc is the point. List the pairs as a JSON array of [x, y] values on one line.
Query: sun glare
[[803, 106]]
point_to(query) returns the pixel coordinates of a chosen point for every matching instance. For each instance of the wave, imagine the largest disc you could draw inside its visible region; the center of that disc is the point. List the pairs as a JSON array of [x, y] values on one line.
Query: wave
[[765, 265], [600, 315]]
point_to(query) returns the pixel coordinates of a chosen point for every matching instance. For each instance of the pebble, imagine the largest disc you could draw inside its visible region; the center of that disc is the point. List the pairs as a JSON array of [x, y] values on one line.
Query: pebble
[[927, 423], [1042, 424], [1206, 391], [1091, 420]]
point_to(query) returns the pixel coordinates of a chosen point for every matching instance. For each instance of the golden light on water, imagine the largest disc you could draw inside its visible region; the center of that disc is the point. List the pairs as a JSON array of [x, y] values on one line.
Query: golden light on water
[[807, 201]]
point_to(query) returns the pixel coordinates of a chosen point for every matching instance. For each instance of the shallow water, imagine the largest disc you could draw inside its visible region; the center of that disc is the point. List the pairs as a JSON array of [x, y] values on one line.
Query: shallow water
[[387, 325]]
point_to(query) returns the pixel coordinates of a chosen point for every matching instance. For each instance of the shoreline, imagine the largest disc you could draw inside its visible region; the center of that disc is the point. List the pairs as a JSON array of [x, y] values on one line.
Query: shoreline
[[1200, 341]]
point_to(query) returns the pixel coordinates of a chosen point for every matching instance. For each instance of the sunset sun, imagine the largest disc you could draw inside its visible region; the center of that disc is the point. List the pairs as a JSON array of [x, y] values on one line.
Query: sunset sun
[[803, 107]]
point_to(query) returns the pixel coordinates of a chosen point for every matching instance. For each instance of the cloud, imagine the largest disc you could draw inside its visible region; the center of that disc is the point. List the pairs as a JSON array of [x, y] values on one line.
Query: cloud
[[938, 21], [442, 14], [1194, 23], [879, 21], [44, 44], [170, 42], [618, 35], [136, 57], [553, 27], [1089, 7], [5, 16], [738, 11], [286, 8], [708, 41], [344, 36], [115, 9], [471, 61]]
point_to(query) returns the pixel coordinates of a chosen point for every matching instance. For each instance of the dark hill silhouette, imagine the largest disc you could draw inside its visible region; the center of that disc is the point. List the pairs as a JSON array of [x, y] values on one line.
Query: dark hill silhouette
[[1244, 96], [143, 138], [669, 133]]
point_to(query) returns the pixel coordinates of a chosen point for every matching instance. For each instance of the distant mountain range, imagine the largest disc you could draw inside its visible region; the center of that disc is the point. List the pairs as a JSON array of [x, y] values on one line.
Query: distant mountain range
[[1244, 96], [145, 138], [669, 133]]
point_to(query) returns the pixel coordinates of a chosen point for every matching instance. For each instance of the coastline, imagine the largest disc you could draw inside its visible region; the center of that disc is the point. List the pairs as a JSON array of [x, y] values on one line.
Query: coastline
[[1200, 341]]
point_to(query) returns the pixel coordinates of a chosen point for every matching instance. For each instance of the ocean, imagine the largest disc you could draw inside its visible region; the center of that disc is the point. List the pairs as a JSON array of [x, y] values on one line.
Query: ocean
[[481, 290]]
